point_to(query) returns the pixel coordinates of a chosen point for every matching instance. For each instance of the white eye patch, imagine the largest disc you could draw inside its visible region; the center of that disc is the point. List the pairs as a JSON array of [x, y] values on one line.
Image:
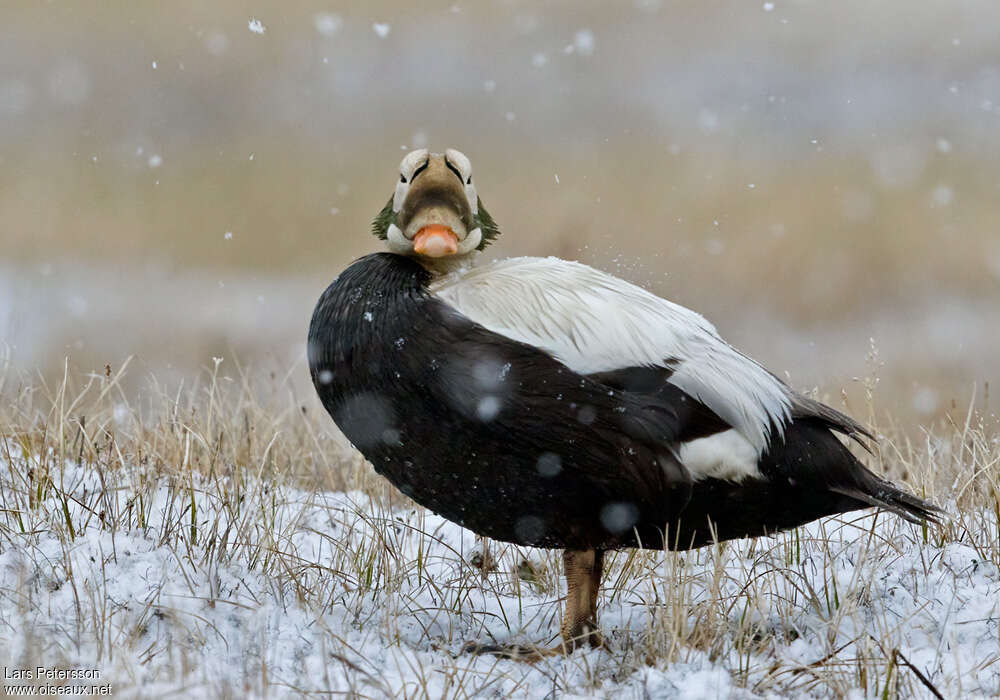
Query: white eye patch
[[399, 196], [470, 194], [461, 163], [411, 161], [464, 168]]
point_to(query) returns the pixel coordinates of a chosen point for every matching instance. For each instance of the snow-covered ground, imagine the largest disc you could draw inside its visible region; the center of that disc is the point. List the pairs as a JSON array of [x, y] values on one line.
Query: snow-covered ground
[[241, 586]]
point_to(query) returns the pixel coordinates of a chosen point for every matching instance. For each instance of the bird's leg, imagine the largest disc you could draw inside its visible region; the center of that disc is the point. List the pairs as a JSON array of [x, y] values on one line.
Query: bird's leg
[[583, 571], [583, 581]]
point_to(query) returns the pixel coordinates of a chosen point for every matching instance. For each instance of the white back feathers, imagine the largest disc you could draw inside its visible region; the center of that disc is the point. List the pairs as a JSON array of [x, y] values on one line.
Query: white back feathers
[[594, 322]]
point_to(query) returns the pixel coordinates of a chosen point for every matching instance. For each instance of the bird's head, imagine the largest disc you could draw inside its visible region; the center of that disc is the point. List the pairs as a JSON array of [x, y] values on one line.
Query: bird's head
[[435, 213]]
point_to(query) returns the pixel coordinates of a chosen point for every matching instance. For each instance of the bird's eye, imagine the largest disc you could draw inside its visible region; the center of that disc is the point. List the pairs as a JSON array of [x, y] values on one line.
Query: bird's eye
[[402, 178], [469, 181]]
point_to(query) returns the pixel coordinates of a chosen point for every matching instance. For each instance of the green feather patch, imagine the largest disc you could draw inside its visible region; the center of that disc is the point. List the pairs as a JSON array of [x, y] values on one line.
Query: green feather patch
[[487, 225], [385, 218]]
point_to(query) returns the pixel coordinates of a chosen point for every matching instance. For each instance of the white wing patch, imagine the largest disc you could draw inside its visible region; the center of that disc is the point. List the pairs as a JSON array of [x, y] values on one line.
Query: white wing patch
[[594, 322], [726, 455]]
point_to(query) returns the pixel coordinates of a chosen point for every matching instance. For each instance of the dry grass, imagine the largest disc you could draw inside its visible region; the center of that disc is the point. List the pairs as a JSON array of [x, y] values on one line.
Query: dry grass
[[284, 565]]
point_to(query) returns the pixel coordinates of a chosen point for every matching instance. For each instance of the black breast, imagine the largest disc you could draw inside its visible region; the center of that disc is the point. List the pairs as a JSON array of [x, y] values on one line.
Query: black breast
[[493, 434]]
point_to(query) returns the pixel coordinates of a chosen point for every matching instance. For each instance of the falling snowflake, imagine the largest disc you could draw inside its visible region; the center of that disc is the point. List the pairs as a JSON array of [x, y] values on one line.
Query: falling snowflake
[[327, 23], [217, 43], [256, 26], [942, 196], [381, 29], [583, 42]]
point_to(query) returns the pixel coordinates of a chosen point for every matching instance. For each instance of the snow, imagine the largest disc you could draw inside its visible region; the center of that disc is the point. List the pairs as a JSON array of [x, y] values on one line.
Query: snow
[[899, 167], [708, 121], [256, 26], [77, 305], [216, 43], [327, 23], [649, 6], [487, 408], [381, 29], [925, 401], [583, 42], [942, 196], [336, 593]]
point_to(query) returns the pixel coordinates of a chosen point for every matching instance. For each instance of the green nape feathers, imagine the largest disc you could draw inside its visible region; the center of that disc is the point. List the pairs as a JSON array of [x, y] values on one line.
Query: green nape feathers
[[385, 218], [482, 220], [486, 224]]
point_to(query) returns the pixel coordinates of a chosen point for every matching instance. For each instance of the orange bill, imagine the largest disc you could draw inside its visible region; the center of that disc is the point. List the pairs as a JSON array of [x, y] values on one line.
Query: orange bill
[[435, 241]]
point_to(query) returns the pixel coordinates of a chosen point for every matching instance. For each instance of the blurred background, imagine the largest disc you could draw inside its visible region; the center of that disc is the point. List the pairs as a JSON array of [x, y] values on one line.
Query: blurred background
[[179, 181]]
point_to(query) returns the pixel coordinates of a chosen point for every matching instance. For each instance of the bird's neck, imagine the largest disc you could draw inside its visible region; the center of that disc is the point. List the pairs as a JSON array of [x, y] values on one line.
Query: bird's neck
[[452, 264]]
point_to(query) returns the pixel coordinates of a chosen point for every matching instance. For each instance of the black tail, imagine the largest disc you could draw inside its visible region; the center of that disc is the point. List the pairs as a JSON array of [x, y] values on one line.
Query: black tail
[[811, 455], [882, 494]]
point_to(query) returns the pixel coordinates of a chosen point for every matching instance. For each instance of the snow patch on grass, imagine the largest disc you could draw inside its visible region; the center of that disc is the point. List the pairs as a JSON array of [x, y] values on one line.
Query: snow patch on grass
[[237, 584]]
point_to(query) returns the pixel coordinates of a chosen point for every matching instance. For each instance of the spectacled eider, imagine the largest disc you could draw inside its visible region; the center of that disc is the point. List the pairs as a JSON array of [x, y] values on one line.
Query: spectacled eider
[[543, 402]]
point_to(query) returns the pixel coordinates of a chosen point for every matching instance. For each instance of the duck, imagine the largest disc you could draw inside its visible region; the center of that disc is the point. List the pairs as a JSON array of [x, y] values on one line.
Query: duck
[[545, 403]]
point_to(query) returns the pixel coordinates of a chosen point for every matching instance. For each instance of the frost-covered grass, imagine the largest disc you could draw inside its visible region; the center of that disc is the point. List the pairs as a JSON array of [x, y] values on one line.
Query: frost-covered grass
[[221, 540]]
